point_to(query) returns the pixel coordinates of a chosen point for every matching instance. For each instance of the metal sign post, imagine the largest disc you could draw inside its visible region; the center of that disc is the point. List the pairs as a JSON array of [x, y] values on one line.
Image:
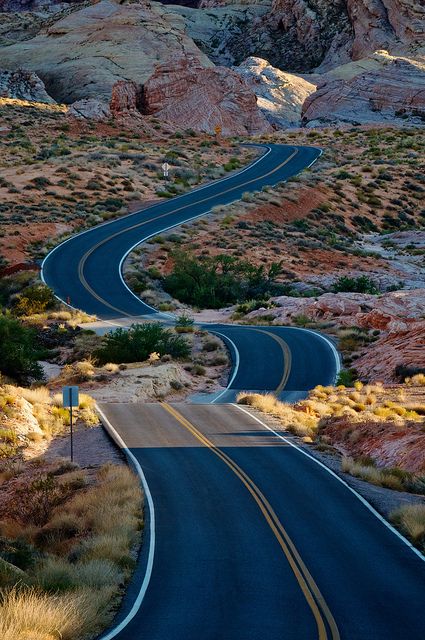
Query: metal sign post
[[166, 169], [69, 400]]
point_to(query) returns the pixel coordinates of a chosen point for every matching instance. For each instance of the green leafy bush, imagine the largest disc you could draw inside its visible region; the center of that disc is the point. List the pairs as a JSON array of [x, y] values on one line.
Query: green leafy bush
[[215, 281], [36, 298], [362, 284], [19, 351], [136, 344]]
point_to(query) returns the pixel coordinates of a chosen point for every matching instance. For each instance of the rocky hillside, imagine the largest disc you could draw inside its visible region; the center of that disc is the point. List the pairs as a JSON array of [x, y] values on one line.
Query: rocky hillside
[[82, 50]]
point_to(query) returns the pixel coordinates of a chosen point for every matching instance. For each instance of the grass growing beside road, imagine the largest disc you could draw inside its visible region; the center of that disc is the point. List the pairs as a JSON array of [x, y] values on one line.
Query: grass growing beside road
[[380, 430], [63, 577]]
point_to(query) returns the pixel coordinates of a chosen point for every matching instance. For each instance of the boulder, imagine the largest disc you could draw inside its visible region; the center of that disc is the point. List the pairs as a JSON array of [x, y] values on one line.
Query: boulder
[[382, 88], [402, 347], [90, 109], [23, 85], [280, 95], [185, 95]]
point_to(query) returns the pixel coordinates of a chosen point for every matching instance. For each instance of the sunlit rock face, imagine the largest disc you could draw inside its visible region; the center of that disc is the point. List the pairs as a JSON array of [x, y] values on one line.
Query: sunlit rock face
[[280, 95]]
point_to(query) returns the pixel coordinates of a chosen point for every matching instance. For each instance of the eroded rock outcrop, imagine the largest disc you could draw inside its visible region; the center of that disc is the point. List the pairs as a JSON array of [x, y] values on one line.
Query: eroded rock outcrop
[[83, 54], [185, 95], [389, 312], [24, 85], [385, 24], [379, 89], [280, 95], [402, 347]]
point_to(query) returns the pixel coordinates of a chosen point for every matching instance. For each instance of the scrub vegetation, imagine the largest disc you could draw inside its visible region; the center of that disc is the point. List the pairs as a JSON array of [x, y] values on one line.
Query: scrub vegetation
[[68, 545], [360, 420]]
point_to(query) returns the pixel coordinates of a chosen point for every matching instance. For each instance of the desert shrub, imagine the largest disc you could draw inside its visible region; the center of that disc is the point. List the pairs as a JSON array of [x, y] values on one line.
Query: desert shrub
[[19, 351], [36, 500], [184, 324], [36, 298], [214, 281], [411, 520], [362, 284], [139, 342], [346, 378]]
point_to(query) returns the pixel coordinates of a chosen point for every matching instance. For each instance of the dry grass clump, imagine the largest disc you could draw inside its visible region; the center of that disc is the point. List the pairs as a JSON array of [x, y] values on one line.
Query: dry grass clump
[[298, 422], [364, 403], [30, 614], [411, 520], [388, 478], [74, 565]]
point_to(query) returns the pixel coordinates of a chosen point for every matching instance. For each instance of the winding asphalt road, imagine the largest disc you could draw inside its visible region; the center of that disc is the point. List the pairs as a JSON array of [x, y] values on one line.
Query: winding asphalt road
[[246, 536], [85, 271]]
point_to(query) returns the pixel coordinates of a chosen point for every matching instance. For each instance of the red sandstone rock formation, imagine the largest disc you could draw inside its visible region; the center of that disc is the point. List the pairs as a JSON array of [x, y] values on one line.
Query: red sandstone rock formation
[[400, 347], [186, 95]]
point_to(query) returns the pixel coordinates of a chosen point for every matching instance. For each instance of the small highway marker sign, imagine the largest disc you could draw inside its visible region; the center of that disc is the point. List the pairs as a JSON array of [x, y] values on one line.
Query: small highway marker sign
[[166, 169], [217, 129], [70, 399]]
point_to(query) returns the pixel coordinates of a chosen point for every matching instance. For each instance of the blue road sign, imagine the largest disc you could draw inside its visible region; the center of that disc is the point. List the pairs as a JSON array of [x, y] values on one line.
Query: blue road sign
[[70, 397]]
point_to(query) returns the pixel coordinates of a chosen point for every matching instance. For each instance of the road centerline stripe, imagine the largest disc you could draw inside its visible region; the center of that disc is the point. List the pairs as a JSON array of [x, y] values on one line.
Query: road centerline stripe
[[309, 588], [287, 359], [84, 259]]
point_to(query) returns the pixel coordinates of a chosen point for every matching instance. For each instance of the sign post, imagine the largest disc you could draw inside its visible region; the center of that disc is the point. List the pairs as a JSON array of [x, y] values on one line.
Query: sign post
[[165, 168], [217, 130], [69, 400]]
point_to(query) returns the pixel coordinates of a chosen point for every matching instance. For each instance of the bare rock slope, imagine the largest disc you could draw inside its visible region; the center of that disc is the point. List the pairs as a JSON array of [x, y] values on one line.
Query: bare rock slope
[[381, 88], [280, 95], [83, 54]]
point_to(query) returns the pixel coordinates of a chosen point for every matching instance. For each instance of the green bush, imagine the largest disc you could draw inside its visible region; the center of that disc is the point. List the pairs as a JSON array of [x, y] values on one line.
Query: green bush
[[36, 298], [362, 284], [136, 344], [215, 281], [19, 351]]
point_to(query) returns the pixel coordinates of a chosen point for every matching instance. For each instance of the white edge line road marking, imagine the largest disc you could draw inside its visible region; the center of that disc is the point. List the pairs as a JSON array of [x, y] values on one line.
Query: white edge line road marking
[[235, 370], [139, 242], [104, 224], [138, 601], [331, 345], [332, 473]]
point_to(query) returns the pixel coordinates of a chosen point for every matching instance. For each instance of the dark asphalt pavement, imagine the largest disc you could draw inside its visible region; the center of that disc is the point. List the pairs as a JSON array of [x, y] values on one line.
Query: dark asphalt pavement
[[219, 572], [86, 271]]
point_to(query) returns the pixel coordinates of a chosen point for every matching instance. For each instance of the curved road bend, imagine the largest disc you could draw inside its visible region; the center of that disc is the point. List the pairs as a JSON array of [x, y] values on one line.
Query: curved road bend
[[254, 541], [86, 270]]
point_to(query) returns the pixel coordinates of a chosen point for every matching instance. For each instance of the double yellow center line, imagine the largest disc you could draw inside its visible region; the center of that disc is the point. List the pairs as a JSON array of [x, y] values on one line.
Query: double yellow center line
[[85, 257], [309, 588]]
